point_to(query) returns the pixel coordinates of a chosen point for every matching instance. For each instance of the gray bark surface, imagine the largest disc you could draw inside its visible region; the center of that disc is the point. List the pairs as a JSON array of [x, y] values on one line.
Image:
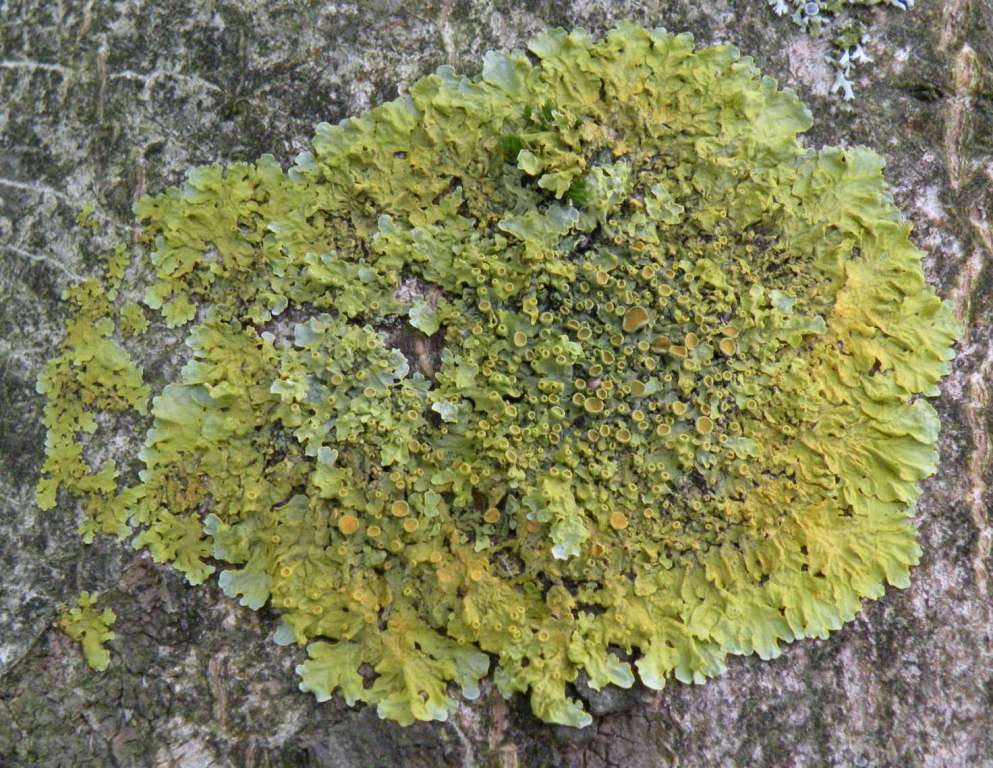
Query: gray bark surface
[[101, 102]]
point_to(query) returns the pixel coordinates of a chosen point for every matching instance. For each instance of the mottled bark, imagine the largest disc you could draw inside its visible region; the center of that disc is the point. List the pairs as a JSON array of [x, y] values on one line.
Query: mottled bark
[[101, 102]]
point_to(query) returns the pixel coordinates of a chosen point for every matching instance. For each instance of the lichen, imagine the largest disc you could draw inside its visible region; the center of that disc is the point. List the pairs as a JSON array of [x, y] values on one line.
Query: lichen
[[847, 33], [90, 627], [664, 402]]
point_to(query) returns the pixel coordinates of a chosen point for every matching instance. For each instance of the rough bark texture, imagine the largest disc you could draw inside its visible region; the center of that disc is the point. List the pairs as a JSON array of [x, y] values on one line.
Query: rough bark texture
[[101, 102]]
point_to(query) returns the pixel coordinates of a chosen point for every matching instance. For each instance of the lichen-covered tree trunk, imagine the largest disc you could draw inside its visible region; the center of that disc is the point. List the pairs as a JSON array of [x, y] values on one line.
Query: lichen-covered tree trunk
[[102, 102]]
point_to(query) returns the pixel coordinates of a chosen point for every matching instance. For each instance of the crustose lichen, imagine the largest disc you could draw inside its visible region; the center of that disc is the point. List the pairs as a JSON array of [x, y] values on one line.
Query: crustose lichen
[[590, 367]]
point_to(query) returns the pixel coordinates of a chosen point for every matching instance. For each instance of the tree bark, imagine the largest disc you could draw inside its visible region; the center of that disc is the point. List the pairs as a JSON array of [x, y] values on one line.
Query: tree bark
[[101, 102]]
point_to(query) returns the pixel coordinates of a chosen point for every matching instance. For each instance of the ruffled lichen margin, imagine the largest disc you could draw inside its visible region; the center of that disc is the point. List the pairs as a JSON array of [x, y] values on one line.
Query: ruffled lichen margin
[[583, 365]]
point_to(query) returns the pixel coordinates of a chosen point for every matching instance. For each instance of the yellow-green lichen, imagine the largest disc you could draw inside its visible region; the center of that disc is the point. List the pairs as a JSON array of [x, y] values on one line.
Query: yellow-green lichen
[[90, 627], [675, 410]]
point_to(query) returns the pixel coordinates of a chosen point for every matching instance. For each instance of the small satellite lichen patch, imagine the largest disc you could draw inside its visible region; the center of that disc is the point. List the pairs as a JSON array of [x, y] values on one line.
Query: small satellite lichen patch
[[678, 410], [90, 627]]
